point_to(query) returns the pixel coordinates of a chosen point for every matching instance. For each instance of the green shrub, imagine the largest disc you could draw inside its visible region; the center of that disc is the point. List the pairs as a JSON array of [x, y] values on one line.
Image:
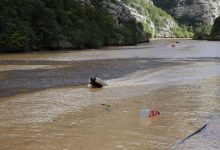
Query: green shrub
[[183, 31], [202, 31], [148, 30], [215, 32]]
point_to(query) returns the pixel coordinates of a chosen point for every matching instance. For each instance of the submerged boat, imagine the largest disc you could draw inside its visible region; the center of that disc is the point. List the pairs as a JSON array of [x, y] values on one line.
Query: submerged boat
[[96, 82]]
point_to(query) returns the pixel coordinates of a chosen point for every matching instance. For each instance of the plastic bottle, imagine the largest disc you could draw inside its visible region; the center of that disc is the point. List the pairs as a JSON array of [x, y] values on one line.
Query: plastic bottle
[[148, 113]]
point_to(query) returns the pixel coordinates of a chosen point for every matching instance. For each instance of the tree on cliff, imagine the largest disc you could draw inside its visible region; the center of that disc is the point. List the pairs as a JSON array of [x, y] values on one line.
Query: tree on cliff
[[202, 31], [215, 33]]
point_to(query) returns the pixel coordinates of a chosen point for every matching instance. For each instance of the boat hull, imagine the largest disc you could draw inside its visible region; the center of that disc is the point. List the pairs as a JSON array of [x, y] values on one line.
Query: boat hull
[[96, 82]]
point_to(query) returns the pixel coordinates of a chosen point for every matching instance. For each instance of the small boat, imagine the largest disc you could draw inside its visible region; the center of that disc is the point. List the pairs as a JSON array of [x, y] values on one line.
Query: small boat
[[96, 82]]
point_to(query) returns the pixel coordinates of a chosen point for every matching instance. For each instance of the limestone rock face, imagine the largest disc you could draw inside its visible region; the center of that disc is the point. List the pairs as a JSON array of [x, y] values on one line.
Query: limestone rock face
[[202, 10], [165, 31], [147, 13], [197, 10], [122, 14], [117, 10]]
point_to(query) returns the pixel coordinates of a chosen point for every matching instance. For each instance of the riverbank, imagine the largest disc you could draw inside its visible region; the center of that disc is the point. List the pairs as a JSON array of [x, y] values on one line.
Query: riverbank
[[153, 39], [101, 48]]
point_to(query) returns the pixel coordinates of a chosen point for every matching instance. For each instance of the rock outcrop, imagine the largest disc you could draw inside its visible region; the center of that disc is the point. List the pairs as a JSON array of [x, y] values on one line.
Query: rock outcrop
[[121, 15], [159, 22], [202, 10], [192, 11], [117, 10]]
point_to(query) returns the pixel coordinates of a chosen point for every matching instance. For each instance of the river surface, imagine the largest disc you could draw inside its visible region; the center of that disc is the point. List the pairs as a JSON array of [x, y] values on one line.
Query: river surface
[[45, 102]]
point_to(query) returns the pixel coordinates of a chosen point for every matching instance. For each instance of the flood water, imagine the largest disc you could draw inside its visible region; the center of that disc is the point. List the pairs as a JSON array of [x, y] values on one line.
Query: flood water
[[45, 102]]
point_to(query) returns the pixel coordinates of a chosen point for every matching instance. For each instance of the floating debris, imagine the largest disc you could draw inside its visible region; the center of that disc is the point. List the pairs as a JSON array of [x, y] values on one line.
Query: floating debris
[[96, 82], [148, 113], [107, 107]]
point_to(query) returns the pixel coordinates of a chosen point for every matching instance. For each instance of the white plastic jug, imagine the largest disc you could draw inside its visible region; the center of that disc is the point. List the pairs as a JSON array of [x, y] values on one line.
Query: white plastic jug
[[144, 112]]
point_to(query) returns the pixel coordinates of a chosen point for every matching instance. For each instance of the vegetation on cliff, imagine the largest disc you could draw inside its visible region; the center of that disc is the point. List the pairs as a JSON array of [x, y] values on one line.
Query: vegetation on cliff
[[191, 12], [27, 25], [215, 33], [196, 15], [158, 23], [202, 31]]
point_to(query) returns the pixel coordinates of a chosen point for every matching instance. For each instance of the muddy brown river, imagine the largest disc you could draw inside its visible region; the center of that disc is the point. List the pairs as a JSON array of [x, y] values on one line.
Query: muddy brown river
[[45, 102]]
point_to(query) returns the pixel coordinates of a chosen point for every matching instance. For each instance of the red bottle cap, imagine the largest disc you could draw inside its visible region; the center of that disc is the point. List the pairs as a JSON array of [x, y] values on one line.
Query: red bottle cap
[[153, 113]]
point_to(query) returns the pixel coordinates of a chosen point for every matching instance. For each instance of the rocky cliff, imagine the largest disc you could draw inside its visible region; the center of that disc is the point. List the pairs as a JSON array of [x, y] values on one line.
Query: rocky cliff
[[155, 21], [28, 25], [191, 11], [122, 14]]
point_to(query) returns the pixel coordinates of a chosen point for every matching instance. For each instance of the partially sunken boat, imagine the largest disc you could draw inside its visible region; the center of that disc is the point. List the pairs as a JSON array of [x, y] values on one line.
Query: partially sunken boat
[[96, 82]]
